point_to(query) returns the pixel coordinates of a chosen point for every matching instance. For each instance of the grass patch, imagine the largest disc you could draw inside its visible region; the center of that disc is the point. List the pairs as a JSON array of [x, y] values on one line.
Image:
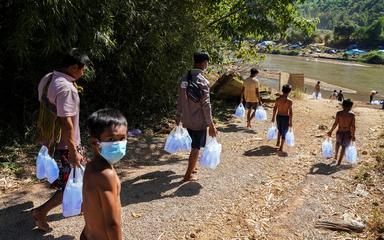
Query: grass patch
[[365, 174], [379, 156], [376, 221]]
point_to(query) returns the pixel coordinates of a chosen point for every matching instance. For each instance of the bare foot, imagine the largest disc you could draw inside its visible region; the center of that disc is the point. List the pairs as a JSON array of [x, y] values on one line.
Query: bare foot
[[190, 179], [40, 220]]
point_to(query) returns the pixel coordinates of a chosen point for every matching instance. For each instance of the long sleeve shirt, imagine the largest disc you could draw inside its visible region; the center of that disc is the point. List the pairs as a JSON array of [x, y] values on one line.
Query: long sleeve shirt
[[194, 115]]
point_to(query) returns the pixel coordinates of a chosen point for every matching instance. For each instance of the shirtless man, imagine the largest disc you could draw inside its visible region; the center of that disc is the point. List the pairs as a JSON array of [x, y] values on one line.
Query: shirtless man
[[345, 119], [251, 94], [101, 186], [282, 112], [317, 89]]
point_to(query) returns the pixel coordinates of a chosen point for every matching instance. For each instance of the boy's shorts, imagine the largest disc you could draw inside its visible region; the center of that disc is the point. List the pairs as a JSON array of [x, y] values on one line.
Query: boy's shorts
[[343, 138], [199, 137], [249, 105], [82, 236], [282, 124]]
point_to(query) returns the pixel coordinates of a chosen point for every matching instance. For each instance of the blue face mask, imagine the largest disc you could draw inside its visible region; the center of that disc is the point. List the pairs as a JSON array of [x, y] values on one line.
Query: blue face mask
[[113, 151]]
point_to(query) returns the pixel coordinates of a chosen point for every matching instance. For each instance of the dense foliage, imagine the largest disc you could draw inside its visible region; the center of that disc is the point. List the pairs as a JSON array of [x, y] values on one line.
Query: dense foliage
[[139, 49], [333, 12]]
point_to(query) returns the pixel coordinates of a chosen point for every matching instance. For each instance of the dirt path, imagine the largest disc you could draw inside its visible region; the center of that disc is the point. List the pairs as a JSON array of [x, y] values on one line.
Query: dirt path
[[253, 194]]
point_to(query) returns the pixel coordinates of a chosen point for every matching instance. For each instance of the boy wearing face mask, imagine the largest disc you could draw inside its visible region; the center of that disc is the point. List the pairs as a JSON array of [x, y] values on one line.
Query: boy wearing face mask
[[101, 185]]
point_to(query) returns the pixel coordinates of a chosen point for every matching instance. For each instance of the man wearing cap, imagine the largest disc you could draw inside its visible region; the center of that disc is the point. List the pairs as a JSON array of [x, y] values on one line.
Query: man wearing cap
[[58, 96], [194, 109]]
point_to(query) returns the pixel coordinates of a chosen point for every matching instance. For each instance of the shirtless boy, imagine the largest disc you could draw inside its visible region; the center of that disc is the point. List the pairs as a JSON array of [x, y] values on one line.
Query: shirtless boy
[[345, 119], [282, 112], [317, 90], [101, 186]]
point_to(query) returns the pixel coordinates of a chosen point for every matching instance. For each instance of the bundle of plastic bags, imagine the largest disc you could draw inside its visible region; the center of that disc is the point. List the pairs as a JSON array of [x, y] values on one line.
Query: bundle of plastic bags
[[290, 138], [351, 154], [178, 141], [73, 193], [261, 114], [327, 148], [46, 166], [240, 111], [210, 157], [272, 133]]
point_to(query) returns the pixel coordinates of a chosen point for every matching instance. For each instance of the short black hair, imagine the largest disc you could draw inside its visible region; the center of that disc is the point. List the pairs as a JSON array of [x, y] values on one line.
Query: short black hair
[[334, 90], [200, 57], [75, 56], [254, 71], [103, 119], [341, 90], [347, 104], [286, 88], [318, 82]]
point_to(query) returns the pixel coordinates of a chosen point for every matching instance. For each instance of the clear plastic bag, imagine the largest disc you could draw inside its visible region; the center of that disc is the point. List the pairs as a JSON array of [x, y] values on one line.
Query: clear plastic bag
[[240, 111], [272, 133], [327, 148], [210, 157], [51, 169], [290, 138], [261, 114], [318, 95], [178, 141], [73, 193], [351, 154], [40, 162]]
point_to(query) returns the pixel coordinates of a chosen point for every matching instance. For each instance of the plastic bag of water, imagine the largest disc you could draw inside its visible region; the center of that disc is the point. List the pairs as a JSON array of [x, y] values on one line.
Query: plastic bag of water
[[178, 140], [351, 154], [290, 138], [327, 148], [261, 114], [40, 162], [314, 95], [210, 157], [73, 193], [272, 133], [51, 168], [240, 111]]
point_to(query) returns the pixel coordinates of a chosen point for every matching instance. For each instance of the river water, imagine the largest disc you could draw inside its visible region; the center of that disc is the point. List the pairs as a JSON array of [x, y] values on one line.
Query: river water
[[362, 78]]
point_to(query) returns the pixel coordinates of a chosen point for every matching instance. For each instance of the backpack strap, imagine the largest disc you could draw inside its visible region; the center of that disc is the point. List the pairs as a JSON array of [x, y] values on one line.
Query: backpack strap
[[44, 96]]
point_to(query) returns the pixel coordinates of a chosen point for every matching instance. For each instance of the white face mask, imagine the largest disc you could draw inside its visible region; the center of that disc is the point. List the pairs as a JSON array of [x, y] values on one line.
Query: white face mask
[[113, 151]]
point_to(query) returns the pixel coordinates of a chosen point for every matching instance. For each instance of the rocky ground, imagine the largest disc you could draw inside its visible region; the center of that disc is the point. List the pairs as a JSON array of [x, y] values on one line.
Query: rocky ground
[[253, 194]]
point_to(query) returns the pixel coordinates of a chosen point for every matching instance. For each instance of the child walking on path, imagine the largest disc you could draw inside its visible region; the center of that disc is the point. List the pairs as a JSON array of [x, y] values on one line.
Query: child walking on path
[[282, 112], [345, 120], [101, 186]]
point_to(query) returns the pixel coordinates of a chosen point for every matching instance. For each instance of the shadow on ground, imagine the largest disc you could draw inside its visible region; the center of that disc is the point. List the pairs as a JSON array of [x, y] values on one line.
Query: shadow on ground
[[16, 223], [327, 169], [261, 151], [235, 128], [154, 185]]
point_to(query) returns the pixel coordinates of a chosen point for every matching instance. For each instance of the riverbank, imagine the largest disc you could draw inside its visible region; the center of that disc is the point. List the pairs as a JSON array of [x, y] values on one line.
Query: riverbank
[[253, 194]]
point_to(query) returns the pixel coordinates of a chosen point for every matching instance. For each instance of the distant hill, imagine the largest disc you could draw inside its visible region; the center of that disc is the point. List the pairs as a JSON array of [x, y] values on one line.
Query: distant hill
[[334, 12]]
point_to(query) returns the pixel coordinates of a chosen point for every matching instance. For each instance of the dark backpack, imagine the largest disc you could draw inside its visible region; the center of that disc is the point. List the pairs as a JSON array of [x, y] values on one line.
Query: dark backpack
[[193, 90]]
